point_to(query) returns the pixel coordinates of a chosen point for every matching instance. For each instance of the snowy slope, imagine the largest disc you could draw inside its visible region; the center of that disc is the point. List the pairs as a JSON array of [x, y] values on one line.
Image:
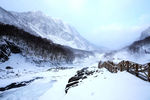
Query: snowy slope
[[102, 85], [47, 27], [7, 17], [108, 86], [143, 44], [32, 47], [141, 47], [138, 51]]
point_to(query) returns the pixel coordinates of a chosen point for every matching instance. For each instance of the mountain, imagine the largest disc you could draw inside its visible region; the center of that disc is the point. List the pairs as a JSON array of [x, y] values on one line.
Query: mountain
[[47, 27], [14, 40], [141, 46], [145, 33], [138, 51], [35, 66]]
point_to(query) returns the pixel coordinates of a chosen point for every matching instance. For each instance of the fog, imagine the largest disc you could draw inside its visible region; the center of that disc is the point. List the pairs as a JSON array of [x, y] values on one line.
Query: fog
[[109, 23]]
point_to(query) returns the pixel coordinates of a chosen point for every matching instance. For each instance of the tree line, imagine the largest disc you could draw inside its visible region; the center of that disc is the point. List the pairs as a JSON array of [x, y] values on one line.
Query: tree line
[[36, 46]]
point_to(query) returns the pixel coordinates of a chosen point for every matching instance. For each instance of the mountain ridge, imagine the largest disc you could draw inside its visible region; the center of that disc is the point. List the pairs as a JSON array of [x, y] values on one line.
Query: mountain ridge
[[47, 27]]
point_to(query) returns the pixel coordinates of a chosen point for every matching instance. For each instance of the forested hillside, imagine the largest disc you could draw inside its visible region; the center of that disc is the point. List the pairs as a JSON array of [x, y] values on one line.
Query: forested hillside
[[34, 46]]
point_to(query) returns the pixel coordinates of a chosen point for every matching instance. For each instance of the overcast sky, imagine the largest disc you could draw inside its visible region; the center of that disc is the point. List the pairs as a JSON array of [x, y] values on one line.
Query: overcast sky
[[109, 23]]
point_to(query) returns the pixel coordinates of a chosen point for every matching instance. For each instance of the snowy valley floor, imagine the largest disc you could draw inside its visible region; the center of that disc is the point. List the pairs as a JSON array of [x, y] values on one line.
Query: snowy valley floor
[[100, 86], [51, 84]]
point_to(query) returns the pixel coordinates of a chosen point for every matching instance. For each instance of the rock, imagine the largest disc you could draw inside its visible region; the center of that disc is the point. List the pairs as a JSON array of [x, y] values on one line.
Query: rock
[[89, 72], [78, 77], [74, 78], [84, 77], [73, 84], [6, 49], [14, 49], [18, 84], [8, 67], [4, 53]]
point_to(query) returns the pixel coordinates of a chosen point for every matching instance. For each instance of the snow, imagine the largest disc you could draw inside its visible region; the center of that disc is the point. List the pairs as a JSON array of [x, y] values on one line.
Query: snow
[[20, 67], [108, 86], [103, 85], [30, 92], [47, 27], [140, 58], [52, 80]]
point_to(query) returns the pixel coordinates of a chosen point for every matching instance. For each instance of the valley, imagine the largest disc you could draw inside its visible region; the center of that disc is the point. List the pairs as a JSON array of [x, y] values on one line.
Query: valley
[[43, 58]]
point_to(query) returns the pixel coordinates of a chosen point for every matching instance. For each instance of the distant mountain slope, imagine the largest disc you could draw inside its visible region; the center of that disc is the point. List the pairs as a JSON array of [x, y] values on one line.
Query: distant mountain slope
[[14, 40], [138, 51], [145, 33], [34, 47], [41, 25], [141, 46]]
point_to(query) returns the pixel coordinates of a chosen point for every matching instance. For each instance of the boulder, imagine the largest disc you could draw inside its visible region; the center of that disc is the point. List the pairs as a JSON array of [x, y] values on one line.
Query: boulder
[[78, 77], [8, 67]]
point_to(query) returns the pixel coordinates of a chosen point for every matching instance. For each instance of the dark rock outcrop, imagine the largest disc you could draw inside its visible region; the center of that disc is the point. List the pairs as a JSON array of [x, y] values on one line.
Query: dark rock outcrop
[[6, 49], [80, 75], [9, 67], [18, 84], [4, 53], [14, 49]]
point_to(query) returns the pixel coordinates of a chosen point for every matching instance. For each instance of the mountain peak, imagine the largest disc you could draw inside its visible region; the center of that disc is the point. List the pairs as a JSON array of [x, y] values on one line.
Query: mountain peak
[[39, 24], [145, 34], [33, 13]]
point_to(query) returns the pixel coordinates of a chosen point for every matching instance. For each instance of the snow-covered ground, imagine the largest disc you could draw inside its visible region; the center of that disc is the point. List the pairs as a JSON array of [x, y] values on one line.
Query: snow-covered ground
[[53, 80], [108, 86], [20, 66], [102, 85]]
